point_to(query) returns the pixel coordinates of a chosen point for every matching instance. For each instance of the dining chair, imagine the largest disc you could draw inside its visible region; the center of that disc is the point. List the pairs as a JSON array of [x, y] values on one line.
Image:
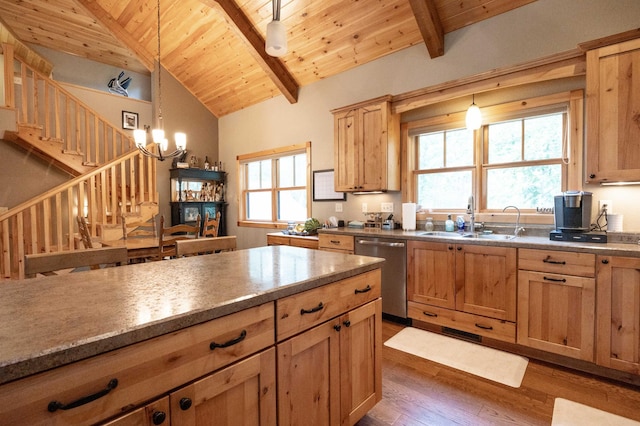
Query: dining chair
[[85, 233], [48, 263], [169, 235], [205, 245], [210, 227], [132, 227]]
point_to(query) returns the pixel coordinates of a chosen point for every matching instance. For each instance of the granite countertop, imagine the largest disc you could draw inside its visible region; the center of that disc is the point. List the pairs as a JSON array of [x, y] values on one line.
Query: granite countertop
[[51, 321], [534, 242]]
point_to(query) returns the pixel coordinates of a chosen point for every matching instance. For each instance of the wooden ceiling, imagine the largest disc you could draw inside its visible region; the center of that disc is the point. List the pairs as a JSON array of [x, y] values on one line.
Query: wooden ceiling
[[215, 48]]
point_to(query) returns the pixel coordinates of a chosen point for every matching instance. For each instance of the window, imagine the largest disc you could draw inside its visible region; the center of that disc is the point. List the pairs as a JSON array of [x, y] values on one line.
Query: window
[[275, 186], [519, 157]]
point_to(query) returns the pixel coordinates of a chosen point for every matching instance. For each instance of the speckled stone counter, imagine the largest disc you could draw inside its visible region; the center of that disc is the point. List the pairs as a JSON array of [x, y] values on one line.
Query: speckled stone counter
[[543, 243], [51, 321]]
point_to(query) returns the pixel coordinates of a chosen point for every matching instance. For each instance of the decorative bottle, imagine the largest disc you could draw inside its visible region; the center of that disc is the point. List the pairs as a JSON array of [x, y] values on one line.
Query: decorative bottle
[[206, 162], [448, 225], [429, 225]]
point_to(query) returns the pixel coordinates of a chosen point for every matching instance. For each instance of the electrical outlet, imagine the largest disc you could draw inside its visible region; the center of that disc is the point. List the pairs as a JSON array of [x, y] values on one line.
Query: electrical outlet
[[608, 204], [364, 207], [338, 207], [386, 207]]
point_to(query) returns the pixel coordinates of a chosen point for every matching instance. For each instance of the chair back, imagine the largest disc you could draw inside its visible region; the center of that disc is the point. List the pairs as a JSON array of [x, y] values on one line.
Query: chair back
[[132, 227], [169, 235], [205, 245], [48, 263], [211, 226], [85, 233]]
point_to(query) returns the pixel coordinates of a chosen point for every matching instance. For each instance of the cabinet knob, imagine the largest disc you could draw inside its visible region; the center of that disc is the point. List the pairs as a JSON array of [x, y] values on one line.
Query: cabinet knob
[[592, 176], [450, 247], [459, 248], [605, 261], [347, 323], [158, 417], [337, 327], [185, 403]]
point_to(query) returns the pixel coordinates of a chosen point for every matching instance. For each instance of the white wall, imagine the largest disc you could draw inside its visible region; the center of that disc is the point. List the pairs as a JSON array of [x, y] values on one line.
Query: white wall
[[539, 29]]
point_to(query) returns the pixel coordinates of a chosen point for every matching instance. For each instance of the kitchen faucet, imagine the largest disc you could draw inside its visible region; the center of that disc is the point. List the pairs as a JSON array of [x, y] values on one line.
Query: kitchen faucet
[[518, 229]]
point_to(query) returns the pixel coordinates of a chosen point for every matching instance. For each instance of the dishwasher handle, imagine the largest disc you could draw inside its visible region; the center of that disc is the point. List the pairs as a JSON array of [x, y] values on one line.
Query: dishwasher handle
[[379, 243]]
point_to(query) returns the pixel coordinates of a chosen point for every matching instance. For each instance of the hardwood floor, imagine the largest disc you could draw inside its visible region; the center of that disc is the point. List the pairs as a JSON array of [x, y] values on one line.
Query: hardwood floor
[[420, 392]]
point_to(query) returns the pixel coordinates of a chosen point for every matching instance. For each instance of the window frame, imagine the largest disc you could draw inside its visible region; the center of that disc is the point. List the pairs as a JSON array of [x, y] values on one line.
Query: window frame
[[274, 155], [571, 101]]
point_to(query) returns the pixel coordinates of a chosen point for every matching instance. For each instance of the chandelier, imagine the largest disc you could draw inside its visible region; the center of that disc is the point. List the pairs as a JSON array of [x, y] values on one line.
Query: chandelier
[[157, 134]]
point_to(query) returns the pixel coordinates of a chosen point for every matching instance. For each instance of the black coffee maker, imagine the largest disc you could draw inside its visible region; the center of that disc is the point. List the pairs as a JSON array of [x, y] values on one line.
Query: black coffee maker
[[573, 211]]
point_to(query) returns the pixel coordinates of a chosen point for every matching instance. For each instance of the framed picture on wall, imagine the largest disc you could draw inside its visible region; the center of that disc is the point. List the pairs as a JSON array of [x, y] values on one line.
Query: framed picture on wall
[[323, 187], [129, 120]]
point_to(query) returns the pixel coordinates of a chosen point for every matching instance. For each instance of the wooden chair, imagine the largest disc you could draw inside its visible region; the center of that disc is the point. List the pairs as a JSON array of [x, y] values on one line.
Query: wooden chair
[[205, 245], [85, 233], [48, 263], [210, 227], [133, 228], [168, 237]]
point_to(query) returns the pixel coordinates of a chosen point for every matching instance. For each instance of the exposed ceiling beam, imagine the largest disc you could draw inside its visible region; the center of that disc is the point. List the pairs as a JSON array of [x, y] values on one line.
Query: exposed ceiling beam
[[430, 25], [111, 25], [273, 67]]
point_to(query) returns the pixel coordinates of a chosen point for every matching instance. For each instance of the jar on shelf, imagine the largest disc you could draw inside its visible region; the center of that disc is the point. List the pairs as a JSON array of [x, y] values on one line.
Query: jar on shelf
[[428, 226]]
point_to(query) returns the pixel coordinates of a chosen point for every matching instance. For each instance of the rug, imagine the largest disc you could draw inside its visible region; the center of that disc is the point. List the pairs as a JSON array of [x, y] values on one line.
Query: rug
[[491, 364], [569, 413]]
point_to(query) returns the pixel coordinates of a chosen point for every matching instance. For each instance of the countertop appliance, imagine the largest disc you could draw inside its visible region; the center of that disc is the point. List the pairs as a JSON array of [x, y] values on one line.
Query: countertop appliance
[[394, 272], [573, 211]]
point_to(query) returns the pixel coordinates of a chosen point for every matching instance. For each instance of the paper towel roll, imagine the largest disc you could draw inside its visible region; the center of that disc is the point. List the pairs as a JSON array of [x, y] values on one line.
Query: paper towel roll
[[614, 222], [409, 216]]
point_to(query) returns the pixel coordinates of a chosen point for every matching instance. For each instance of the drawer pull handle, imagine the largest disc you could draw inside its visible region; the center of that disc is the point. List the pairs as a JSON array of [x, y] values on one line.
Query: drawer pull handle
[[430, 314], [55, 405], [312, 310], [484, 327], [364, 290], [335, 241], [231, 342], [554, 262], [555, 280]]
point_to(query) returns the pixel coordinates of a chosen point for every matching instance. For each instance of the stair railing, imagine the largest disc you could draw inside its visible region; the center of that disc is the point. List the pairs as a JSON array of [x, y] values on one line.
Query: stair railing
[[47, 223]]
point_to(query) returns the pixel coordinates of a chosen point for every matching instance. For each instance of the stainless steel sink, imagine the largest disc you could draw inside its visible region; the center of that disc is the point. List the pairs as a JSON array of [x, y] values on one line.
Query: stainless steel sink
[[440, 234], [490, 236]]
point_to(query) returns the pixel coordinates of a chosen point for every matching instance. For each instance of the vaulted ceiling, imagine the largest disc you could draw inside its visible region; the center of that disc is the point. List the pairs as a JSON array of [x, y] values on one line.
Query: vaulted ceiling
[[215, 48]]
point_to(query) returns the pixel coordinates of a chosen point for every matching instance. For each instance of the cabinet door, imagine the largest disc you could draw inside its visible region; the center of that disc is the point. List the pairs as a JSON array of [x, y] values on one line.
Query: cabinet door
[[309, 377], [618, 324], [613, 120], [556, 313], [431, 273], [360, 361], [486, 281], [153, 414], [242, 394], [373, 148], [346, 151]]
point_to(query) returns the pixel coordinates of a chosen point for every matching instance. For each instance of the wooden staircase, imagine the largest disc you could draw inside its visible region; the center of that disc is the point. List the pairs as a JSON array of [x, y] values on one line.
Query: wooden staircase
[[111, 177]]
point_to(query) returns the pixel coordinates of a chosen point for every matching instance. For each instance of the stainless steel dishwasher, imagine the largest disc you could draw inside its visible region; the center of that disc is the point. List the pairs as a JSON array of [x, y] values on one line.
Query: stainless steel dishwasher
[[394, 272]]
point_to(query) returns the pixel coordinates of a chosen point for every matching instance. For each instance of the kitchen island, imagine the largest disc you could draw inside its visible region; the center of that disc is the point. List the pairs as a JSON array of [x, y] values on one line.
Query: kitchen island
[[157, 326]]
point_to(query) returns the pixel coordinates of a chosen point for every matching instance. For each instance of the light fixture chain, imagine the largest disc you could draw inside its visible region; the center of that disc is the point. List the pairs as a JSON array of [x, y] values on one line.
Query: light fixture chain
[[159, 71]]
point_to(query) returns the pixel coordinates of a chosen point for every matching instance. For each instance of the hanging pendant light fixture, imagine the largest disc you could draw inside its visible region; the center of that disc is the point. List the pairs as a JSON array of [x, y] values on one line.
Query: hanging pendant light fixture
[[474, 116], [157, 134], [276, 44]]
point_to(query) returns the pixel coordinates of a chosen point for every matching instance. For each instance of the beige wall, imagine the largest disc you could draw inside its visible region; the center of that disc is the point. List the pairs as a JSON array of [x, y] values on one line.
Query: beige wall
[[539, 29]]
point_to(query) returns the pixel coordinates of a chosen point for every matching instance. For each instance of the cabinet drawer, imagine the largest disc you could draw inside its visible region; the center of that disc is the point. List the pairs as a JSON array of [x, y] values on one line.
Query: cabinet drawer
[[143, 371], [336, 242], [304, 310], [277, 240], [476, 324], [558, 262], [310, 243]]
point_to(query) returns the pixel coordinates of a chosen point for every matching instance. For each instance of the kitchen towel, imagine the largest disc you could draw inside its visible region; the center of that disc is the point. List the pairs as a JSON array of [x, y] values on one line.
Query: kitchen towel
[[409, 216], [569, 413]]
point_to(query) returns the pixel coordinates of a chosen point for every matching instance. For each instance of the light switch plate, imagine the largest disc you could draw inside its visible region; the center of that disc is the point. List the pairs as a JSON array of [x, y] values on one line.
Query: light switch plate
[[386, 207], [364, 207], [338, 207]]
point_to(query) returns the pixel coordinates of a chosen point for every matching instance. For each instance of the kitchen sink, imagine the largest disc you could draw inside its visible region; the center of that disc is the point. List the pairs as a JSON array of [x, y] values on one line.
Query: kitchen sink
[[490, 236], [479, 236], [439, 234]]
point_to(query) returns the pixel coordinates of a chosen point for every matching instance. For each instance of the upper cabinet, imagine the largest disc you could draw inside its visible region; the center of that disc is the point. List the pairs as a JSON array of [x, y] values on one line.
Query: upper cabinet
[[367, 147], [613, 113]]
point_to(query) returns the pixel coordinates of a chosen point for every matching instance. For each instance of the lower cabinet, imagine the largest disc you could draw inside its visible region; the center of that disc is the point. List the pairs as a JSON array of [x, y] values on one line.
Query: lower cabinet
[[331, 374], [153, 414], [279, 239], [618, 324], [336, 243]]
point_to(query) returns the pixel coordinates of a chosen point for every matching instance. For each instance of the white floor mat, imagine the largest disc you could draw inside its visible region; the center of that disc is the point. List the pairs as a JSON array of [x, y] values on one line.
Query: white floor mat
[[491, 364], [569, 413]]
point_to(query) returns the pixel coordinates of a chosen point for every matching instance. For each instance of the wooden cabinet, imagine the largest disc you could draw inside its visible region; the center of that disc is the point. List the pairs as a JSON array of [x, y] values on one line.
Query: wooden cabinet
[[197, 192], [329, 352], [613, 117], [556, 302], [462, 286], [337, 243], [367, 147], [280, 239], [153, 414], [618, 324]]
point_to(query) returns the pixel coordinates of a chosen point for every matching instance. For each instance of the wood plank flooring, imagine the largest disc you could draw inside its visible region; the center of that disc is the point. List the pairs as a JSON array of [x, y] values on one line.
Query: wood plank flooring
[[420, 392]]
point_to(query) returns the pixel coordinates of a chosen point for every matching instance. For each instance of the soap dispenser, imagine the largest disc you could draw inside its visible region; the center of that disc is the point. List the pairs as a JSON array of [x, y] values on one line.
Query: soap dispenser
[[448, 225]]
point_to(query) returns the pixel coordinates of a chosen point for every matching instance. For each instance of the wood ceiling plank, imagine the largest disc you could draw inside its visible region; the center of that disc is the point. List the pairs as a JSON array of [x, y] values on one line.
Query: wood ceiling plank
[[430, 26], [456, 14]]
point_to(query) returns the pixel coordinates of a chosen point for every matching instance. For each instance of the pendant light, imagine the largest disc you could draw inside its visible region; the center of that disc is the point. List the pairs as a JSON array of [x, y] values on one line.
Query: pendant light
[[474, 116], [276, 44], [157, 134]]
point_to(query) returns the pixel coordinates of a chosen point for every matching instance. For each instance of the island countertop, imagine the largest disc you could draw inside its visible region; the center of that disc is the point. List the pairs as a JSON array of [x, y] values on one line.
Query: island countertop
[[51, 321]]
